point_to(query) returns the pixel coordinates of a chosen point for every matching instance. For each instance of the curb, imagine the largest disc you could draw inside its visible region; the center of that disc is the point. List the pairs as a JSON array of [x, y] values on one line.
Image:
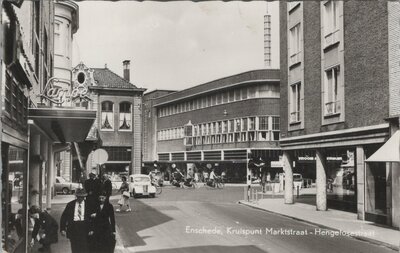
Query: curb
[[119, 246], [361, 238]]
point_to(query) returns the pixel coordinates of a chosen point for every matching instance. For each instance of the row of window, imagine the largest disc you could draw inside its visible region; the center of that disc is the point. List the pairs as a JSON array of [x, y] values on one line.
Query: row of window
[[332, 104], [232, 138], [15, 102], [331, 25], [218, 98], [260, 128], [107, 116], [331, 79]]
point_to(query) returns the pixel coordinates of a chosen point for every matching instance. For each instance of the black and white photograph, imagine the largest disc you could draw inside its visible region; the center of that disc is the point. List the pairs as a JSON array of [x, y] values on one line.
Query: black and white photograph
[[150, 126]]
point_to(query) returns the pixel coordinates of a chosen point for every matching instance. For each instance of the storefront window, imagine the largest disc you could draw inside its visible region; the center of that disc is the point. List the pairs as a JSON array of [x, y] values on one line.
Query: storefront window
[[341, 180], [376, 189], [12, 197]]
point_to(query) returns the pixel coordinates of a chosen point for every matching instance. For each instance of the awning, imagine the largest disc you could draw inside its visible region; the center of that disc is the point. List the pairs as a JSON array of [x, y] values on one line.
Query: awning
[[389, 152], [63, 124]]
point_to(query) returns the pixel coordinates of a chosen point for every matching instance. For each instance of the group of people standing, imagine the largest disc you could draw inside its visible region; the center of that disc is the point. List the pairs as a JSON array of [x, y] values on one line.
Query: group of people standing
[[88, 221]]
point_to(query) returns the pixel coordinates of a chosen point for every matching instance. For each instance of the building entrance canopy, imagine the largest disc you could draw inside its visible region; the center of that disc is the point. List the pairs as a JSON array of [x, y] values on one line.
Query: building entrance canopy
[[63, 124], [389, 152]]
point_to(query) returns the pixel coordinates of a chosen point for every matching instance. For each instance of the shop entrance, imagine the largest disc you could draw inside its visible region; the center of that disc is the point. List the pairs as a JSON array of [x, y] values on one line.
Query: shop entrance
[[13, 197]]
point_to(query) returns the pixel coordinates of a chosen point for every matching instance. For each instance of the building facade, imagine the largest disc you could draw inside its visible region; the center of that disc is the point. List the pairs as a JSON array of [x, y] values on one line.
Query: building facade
[[119, 116], [149, 121], [219, 124], [66, 24], [35, 122], [25, 66], [339, 102]]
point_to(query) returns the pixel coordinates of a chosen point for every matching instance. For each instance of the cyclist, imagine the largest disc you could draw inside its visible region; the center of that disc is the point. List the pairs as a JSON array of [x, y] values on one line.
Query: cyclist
[[213, 177]]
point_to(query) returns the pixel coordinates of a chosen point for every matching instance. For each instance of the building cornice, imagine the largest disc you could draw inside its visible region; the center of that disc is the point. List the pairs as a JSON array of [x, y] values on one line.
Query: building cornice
[[212, 90], [352, 136]]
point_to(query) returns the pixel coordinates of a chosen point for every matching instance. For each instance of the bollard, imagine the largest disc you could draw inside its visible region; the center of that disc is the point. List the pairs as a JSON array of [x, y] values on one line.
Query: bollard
[[248, 193], [298, 191]]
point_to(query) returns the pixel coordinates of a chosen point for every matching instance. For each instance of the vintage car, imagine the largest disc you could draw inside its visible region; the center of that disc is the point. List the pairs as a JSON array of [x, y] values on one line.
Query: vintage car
[[140, 185], [297, 180], [61, 185]]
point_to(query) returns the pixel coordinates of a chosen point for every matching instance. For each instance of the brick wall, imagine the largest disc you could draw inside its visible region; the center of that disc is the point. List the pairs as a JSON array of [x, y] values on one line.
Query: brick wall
[[137, 135], [365, 67], [312, 67], [283, 69], [366, 63], [394, 56]]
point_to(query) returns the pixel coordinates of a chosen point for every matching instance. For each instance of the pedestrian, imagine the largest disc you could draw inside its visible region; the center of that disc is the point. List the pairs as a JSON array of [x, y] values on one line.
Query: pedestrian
[[205, 175], [124, 200], [103, 239], [45, 224], [93, 188], [106, 186], [76, 223]]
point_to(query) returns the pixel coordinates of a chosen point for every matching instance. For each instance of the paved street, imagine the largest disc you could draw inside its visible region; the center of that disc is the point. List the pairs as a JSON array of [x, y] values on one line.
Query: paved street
[[209, 220]]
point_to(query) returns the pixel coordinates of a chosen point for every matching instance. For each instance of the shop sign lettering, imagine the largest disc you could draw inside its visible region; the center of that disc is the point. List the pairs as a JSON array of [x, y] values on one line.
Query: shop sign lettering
[[60, 95]]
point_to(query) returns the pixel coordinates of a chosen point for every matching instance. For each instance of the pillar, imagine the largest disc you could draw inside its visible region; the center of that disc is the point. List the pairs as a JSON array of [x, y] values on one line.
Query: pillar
[[395, 198], [43, 171], [34, 170], [321, 200], [50, 176], [360, 170], [288, 169]]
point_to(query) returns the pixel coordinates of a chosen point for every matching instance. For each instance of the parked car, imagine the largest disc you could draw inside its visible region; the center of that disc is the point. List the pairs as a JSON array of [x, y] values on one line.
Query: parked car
[[140, 185], [297, 180], [61, 185], [116, 181]]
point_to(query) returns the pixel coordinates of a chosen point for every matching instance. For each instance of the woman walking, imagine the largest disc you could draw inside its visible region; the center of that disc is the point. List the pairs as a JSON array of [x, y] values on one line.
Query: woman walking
[[124, 200]]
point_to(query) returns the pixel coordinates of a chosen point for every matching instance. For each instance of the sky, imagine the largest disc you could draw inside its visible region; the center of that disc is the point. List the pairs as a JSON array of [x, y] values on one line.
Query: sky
[[175, 45]]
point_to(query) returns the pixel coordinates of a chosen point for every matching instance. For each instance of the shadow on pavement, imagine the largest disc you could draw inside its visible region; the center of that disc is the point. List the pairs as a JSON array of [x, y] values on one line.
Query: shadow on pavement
[[211, 248], [142, 217]]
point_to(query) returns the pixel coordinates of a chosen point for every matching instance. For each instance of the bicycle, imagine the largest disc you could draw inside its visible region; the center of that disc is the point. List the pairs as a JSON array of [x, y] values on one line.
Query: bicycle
[[193, 184], [216, 183], [157, 186], [219, 183]]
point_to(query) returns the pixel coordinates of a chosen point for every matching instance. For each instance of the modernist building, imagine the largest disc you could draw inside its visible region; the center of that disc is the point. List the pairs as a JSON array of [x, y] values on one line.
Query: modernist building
[[149, 122], [219, 124], [340, 102], [118, 125]]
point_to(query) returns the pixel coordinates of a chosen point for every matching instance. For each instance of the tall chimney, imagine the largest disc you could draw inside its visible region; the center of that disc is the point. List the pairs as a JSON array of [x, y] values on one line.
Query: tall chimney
[[126, 65]]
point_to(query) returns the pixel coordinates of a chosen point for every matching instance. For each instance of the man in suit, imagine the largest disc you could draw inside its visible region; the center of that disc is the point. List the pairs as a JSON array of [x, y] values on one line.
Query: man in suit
[[49, 226], [93, 188], [76, 224], [103, 239], [106, 186]]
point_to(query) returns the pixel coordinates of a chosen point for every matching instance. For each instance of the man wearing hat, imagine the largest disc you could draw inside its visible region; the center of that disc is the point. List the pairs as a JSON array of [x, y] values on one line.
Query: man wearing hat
[[47, 224], [75, 222]]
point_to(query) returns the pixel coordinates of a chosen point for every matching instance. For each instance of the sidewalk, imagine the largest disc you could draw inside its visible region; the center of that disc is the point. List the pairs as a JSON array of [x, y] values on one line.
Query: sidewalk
[[340, 221], [63, 246]]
